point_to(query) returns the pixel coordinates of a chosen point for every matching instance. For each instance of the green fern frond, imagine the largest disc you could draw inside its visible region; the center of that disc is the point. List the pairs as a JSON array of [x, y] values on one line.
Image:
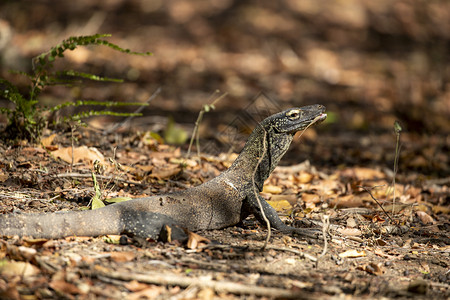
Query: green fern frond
[[10, 92], [128, 51], [91, 113], [26, 119], [45, 59], [78, 103], [89, 76]]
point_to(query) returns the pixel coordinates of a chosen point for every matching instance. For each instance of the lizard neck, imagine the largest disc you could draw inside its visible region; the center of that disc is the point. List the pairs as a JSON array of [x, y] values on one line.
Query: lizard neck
[[276, 145]]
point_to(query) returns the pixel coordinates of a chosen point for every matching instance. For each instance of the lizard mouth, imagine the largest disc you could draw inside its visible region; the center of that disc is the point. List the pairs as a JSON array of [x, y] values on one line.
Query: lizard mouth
[[309, 122], [321, 118]]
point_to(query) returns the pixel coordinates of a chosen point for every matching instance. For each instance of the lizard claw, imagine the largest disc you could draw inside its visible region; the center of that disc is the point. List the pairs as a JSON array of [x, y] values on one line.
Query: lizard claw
[[304, 232]]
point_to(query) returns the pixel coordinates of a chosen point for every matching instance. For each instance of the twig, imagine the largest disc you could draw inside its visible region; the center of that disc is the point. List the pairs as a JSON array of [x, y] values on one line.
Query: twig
[[269, 230], [72, 138], [183, 281], [325, 227], [128, 119], [79, 175], [398, 129], [299, 253], [374, 199], [195, 134], [438, 181]]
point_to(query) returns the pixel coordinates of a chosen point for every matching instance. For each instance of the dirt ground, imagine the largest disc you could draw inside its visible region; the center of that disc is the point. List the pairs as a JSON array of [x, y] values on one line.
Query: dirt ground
[[370, 63]]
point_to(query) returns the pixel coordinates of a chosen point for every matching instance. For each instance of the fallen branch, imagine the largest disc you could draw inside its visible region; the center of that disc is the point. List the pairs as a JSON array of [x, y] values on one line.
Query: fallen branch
[[80, 175], [325, 229], [299, 253], [375, 199], [183, 281]]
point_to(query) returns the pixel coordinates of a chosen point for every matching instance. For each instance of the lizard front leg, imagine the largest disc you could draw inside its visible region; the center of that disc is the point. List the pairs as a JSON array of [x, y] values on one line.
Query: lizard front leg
[[274, 219]]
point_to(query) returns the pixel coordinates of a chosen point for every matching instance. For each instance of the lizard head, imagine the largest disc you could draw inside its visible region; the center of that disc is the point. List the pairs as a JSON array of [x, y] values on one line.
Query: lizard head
[[296, 119]]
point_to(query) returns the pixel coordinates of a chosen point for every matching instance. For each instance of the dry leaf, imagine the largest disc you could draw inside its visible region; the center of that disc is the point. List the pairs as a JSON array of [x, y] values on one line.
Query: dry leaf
[[425, 218], [147, 168], [304, 177], [130, 169], [149, 293], [81, 153], [164, 173], [310, 198], [135, 286], [27, 253], [195, 239], [272, 189], [348, 201], [206, 294], [351, 223], [350, 231], [381, 253], [3, 177], [441, 209], [372, 268], [8, 290], [183, 161], [362, 173], [291, 198], [281, 205], [352, 253], [18, 268], [64, 287], [122, 256], [47, 142], [34, 242]]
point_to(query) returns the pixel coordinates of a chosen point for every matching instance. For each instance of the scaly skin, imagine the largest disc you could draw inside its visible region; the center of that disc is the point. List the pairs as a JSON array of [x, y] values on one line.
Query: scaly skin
[[221, 202]]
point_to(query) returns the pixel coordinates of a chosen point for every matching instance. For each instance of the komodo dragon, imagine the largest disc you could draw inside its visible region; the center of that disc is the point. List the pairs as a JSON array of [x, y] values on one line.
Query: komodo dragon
[[221, 202]]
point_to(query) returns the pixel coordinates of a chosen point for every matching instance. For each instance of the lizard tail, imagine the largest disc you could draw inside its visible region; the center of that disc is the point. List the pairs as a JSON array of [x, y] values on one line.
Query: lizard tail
[[112, 219], [61, 224]]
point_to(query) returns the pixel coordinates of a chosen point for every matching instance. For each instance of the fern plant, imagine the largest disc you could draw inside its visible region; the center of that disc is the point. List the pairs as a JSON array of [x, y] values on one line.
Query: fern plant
[[26, 120]]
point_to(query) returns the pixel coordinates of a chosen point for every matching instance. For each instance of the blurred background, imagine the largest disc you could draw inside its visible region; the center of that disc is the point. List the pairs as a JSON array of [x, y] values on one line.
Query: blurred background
[[369, 62]]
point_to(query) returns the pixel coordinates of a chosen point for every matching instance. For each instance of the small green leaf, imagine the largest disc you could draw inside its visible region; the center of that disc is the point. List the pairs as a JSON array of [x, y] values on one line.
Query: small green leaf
[[118, 199], [96, 201], [174, 134], [397, 127]]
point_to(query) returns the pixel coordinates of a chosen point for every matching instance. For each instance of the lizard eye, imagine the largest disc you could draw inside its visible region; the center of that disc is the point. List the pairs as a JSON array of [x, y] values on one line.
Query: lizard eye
[[293, 114]]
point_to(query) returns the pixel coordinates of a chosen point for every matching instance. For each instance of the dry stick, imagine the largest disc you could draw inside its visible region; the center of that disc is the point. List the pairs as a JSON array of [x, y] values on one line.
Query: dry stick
[[299, 253], [73, 146], [325, 227], [183, 281], [195, 133], [79, 175], [140, 108], [375, 199], [397, 129], [269, 230]]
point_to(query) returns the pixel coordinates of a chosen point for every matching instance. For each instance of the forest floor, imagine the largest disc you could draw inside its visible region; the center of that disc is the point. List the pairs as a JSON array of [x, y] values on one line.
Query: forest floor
[[401, 251], [370, 63]]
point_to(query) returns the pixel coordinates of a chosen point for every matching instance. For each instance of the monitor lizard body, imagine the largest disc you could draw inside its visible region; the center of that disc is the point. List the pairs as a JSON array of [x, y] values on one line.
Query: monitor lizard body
[[221, 202]]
